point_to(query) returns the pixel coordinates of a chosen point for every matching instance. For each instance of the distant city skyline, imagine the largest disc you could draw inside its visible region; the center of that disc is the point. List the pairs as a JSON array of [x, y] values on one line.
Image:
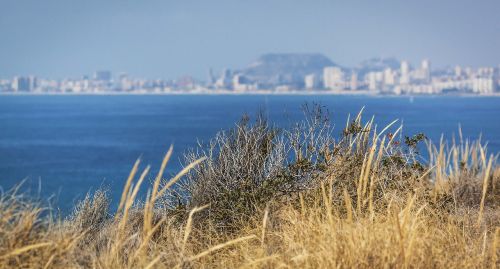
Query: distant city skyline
[[282, 73], [169, 39]]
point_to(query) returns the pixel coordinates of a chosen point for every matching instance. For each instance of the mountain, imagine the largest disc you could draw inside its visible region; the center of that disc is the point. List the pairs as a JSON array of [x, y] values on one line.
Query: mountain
[[377, 64], [285, 68]]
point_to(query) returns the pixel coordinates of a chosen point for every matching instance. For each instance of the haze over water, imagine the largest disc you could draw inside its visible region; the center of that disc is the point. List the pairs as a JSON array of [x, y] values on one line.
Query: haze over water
[[73, 144]]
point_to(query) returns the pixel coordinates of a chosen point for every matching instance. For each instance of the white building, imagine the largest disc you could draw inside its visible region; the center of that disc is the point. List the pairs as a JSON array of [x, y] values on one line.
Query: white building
[[333, 78], [389, 77], [310, 82], [426, 70], [375, 80], [405, 73], [354, 81], [483, 85], [458, 71], [480, 85]]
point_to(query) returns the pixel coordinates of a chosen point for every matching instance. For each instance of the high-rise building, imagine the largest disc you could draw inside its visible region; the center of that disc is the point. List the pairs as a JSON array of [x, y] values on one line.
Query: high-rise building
[[458, 71], [389, 77], [405, 73], [125, 84], [426, 70], [21, 84], [354, 81], [33, 81], [310, 81], [225, 80], [333, 78]]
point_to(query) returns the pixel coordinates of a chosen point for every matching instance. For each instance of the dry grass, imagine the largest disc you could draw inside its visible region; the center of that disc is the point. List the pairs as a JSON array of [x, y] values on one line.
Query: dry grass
[[364, 201]]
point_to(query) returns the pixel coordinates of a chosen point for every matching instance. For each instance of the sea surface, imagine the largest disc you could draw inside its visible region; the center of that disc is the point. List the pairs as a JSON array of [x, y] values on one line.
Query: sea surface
[[65, 146]]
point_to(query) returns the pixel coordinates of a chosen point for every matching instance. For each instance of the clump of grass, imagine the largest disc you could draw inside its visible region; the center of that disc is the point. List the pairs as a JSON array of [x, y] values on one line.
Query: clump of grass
[[91, 213], [259, 196]]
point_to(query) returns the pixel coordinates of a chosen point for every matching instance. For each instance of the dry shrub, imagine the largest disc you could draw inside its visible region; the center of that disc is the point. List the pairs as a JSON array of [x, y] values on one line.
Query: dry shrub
[[91, 213], [255, 164]]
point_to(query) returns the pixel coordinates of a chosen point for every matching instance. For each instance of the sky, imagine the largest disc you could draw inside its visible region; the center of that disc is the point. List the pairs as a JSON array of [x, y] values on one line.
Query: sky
[[168, 39]]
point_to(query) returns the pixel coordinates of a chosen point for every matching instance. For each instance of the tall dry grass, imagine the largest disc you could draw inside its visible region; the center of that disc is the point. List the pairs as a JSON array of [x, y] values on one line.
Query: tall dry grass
[[366, 200]]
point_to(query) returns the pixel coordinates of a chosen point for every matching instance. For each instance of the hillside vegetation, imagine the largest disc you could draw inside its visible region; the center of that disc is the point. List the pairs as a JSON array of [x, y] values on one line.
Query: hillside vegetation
[[258, 196]]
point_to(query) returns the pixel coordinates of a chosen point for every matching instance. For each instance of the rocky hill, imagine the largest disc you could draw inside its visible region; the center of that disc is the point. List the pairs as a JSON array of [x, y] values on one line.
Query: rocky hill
[[286, 68]]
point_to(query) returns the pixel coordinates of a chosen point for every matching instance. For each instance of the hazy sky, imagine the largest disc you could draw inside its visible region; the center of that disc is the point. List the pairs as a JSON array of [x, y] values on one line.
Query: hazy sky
[[166, 39]]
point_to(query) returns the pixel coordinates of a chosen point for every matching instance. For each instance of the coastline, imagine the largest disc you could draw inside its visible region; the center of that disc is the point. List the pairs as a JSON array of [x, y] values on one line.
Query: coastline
[[262, 92]]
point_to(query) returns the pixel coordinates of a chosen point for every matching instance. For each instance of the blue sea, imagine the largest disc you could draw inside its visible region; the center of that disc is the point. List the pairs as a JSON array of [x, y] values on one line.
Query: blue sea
[[65, 146]]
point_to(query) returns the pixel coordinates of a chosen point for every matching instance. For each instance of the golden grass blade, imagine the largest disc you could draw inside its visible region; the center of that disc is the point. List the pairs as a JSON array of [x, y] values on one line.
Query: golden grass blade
[[348, 205], [179, 175], [395, 135], [148, 209], [302, 205], [494, 248], [483, 155], [147, 237], [22, 250], [221, 246], [407, 210], [134, 193], [485, 188], [264, 225], [130, 200], [373, 179], [360, 186], [187, 229], [160, 173], [358, 117], [368, 168], [153, 262], [385, 129], [49, 262], [347, 121], [485, 240], [328, 204], [127, 184]]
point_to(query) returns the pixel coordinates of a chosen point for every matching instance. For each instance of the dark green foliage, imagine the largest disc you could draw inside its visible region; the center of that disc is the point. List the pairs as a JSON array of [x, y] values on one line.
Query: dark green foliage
[[353, 128], [412, 142]]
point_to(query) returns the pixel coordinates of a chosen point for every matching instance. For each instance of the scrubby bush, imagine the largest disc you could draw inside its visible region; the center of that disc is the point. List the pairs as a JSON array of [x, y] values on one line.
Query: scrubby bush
[[256, 165]]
